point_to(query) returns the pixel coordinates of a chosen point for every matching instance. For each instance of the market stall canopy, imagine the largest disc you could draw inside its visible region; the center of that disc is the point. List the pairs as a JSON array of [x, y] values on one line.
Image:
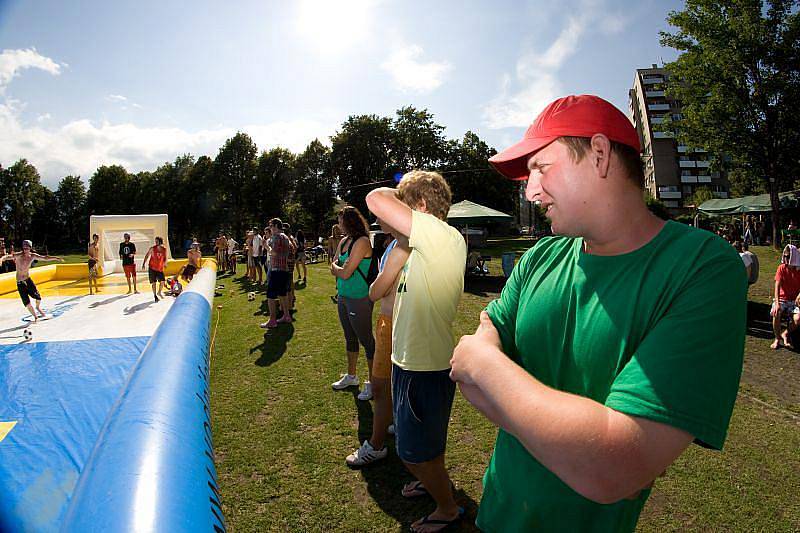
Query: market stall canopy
[[470, 213], [749, 204]]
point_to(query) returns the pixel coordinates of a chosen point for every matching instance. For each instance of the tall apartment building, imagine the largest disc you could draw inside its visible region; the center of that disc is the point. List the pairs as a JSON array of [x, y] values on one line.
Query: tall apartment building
[[672, 171]]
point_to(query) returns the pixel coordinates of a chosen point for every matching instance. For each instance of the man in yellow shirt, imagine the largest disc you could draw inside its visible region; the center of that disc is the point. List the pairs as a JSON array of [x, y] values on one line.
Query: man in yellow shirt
[[428, 293]]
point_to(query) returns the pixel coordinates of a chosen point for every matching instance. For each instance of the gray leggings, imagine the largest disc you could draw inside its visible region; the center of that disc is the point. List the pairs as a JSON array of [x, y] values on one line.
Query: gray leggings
[[355, 315]]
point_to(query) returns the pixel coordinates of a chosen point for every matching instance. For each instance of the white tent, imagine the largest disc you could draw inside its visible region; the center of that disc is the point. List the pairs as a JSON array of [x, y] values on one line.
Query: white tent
[[143, 229]]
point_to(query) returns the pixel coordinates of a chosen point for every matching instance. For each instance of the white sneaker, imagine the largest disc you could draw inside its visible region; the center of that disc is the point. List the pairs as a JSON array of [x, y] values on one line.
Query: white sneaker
[[366, 392], [365, 455], [346, 381], [390, 429]]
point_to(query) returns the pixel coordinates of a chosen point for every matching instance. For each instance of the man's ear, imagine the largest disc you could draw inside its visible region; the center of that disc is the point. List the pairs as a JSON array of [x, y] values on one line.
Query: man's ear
[[422, 207], [600, 154]]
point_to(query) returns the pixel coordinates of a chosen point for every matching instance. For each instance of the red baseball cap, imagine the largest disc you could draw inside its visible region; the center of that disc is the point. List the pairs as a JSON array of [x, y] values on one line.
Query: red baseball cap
[[571, 116]]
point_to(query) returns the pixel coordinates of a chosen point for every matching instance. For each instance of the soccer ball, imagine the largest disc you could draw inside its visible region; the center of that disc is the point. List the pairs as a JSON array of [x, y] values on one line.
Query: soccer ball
[[27, 334], [251, 296]]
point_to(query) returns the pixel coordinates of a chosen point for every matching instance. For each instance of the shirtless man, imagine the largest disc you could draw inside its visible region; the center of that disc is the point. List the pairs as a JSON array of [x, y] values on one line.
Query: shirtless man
[[25, 286], [94, 257], [195, 256], [384, 288], [220, 246]]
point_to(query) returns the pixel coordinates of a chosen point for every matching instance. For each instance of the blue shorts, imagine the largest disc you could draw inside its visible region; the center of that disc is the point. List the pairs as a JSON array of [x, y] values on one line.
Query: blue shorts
[[422, 403]]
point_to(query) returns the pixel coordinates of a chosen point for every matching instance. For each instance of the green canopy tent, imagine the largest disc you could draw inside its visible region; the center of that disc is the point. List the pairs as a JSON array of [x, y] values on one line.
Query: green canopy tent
[[749, 204], [465, 213]]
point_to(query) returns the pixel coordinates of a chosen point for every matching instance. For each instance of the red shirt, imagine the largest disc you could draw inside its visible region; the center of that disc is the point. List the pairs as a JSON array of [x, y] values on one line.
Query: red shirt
[[790, 282], [158, 257]]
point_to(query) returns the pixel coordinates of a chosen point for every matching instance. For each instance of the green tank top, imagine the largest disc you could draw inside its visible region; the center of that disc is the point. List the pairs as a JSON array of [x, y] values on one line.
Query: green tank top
[[356, 285]]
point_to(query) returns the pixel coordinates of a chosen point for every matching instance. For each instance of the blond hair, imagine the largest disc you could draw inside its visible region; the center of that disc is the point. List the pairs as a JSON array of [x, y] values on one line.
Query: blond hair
[[420, 185]]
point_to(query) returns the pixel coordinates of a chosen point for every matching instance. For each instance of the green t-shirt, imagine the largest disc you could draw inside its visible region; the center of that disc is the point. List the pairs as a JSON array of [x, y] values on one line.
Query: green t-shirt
[[656, 333]]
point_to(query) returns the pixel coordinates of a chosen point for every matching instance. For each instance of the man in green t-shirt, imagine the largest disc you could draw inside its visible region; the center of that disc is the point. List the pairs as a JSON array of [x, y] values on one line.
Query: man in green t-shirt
[[612, 347]]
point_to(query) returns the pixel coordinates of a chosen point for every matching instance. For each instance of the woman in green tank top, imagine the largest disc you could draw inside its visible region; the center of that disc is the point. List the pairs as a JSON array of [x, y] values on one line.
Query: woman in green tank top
[[351, 268]]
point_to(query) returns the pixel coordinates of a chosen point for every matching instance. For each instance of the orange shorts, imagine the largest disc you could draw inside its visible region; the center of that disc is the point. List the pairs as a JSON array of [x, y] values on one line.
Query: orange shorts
[[130, 270], [382, 362]]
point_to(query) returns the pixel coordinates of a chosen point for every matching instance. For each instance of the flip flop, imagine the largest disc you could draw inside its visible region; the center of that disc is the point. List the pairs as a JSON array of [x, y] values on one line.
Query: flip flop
[[417, 489], [446, 523]]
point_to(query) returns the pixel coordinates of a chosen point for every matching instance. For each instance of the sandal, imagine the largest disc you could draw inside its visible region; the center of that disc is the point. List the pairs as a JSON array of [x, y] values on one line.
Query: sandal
[[445, 523]]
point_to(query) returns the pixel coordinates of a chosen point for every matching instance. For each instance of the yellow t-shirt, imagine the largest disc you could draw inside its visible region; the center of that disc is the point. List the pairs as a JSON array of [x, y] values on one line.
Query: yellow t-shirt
[[428, 293]]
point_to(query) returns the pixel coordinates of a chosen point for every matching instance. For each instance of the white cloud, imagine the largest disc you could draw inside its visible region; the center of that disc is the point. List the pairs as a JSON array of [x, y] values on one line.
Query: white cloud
[[412, 74], [536, 83], [80, 146], [13, 61], [116, 98], [43, 117]]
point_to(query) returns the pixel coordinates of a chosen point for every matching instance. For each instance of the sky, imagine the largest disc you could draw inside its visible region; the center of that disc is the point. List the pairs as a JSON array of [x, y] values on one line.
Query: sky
[[88, 83]]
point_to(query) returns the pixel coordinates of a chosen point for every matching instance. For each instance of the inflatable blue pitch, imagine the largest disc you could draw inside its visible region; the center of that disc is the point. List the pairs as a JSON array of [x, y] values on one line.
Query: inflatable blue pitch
[[112, 434]]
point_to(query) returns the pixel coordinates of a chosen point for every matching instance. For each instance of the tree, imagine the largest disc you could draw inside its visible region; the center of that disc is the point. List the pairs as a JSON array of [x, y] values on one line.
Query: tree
[[701, 195], [657, 207], [44, 229], [467, 170], [360, 155], [274, 185], [235, 170], [417, 141], [70, 200], [738, 80], [22, 195], [110, 191], [315, 184]]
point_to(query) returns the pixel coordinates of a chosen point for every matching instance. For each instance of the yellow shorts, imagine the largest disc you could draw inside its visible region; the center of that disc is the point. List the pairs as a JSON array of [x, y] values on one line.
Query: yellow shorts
[[382, 363]]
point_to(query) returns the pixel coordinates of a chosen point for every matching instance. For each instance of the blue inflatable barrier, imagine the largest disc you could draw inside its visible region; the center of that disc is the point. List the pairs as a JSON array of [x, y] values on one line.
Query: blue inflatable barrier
[[152, 467]]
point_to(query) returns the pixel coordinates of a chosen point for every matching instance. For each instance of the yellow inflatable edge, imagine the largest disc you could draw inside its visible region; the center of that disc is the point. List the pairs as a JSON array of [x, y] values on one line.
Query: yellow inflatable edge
[[78, 271]]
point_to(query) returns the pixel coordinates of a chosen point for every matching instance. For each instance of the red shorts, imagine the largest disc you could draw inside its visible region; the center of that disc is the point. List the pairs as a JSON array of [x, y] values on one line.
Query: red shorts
[[130, 270]]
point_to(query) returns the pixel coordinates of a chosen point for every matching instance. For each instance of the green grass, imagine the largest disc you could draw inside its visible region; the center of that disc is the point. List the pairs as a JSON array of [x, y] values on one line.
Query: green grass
[[281, 433]]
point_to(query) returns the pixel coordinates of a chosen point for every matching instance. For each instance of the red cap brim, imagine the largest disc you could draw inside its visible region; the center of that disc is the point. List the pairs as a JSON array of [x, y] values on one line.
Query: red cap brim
[[513, 161]]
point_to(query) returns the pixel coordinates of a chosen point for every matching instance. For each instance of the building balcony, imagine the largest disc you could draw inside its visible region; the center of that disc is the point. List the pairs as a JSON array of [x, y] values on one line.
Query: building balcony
[[720, 194], [686, 164], [703, 164], [658, 107], [688, 179], [704, 178], [654, 94], [653, 80], [669, 194], [663, 135], [657, 120], [682, 149]]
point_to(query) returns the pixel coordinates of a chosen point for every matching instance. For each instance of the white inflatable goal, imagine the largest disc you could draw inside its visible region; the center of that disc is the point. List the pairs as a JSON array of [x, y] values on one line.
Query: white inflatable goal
[[143, 230]]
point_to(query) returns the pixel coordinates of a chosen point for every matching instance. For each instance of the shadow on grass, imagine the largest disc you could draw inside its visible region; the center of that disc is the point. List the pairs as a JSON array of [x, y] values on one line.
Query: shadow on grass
[[274, 345], [385, 480], [484, 285], [759, 323]]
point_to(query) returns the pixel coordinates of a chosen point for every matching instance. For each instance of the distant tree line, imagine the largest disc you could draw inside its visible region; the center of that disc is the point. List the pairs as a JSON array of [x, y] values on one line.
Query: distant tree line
[[241, 188]]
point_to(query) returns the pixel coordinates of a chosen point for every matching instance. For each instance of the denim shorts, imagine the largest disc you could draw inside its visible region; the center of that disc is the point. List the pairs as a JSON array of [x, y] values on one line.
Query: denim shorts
[[422, 403]]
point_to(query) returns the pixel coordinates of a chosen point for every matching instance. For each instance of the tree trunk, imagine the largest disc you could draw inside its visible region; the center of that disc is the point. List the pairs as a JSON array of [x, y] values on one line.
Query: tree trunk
[[775, 203]]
